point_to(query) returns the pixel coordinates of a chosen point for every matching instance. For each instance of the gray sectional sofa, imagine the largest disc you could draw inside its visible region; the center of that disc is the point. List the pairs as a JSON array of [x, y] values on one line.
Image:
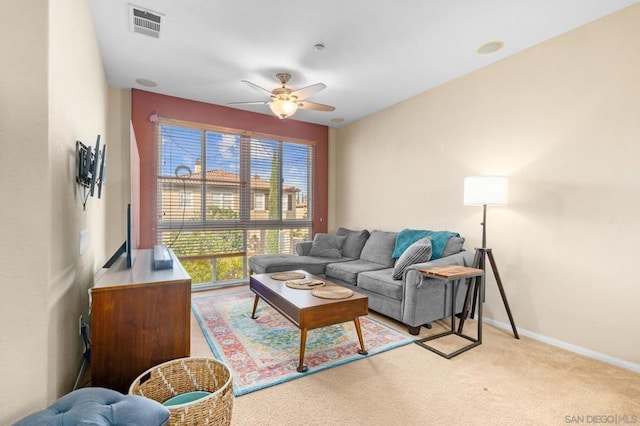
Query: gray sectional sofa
[[368, 261]]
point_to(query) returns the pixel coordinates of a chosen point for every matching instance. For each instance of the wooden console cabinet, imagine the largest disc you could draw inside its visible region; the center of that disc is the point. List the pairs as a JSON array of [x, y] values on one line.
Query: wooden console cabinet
[[140, 317]]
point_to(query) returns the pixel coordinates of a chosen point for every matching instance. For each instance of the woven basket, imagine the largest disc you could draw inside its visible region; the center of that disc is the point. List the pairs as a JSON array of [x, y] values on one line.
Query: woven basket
[[179, 376]]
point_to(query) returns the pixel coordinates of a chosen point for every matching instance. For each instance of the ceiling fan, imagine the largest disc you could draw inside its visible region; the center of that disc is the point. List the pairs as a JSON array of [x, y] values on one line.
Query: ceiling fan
[[284, 102]]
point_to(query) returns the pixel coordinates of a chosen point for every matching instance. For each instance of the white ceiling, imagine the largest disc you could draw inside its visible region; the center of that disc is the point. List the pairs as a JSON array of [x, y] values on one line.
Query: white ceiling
[[377, 52]]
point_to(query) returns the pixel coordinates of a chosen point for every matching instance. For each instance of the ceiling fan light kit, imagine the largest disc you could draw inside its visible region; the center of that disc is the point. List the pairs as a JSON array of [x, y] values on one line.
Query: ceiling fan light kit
[[283, 108], [284, 102]]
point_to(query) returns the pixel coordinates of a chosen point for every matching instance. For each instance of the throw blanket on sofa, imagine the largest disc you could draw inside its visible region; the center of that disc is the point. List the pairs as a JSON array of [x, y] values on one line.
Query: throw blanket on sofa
[[439, 240]]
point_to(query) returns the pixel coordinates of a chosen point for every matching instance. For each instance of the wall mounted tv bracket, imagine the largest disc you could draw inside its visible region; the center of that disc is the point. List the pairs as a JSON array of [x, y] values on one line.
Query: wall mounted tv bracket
[[90, 168]]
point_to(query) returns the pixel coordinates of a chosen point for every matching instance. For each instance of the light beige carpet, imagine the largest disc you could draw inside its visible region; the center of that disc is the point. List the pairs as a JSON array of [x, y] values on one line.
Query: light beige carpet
[[504, 381]]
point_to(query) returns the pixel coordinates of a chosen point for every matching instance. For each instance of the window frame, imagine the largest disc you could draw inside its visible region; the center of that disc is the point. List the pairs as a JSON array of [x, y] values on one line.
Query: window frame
[[247, 202]]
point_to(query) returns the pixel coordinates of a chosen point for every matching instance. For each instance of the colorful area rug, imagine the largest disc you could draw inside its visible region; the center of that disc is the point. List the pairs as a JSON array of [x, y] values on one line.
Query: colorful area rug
[[264, 352]]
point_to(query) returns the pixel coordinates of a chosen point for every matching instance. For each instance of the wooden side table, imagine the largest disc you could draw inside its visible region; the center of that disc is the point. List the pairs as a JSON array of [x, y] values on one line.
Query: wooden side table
[[449, 274]]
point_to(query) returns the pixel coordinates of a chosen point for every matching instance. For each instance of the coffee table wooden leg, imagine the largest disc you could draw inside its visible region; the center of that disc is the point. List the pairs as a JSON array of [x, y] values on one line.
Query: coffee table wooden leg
[[255, 306], [303, 343], [362, 350]]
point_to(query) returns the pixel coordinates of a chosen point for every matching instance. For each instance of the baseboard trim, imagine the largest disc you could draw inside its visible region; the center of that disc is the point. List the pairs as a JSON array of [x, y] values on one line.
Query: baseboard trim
[[568, 346]]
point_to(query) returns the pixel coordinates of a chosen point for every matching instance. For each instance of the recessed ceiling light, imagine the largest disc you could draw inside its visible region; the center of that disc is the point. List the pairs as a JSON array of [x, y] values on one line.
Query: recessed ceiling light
[[337, 120], [146, 82], [490, 47], [318, 47]]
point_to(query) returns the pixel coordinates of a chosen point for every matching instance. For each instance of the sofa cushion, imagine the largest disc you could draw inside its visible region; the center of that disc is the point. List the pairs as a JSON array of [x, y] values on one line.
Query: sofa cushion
[[303, 248], [381, 282], [454, 245], [325, 245], [267, 263], [348, 271], [379, 248], [418, 252], [354, 243]]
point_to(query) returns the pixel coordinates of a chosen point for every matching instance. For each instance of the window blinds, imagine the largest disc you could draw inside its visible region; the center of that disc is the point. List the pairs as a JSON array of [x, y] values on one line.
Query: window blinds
[[223, 193]]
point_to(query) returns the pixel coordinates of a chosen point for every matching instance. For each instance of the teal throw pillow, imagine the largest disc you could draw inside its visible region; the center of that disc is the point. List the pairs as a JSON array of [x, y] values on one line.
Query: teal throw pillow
[[439, 240]]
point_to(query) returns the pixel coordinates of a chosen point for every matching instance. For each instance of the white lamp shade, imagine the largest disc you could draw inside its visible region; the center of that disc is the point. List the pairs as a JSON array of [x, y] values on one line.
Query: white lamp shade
[[283, 108], [489, 190]]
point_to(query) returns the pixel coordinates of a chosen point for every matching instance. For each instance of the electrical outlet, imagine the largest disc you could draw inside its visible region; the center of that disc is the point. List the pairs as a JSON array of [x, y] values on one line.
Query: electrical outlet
[[80, 326]]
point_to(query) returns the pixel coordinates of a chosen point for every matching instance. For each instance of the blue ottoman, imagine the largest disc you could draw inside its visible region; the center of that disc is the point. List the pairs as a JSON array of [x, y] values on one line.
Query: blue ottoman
[[99, 406]]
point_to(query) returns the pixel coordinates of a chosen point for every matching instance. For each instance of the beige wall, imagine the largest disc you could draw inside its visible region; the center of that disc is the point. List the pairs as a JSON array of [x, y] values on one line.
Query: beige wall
[[25, 209], [53, 92], [118, 182], [562, 120]]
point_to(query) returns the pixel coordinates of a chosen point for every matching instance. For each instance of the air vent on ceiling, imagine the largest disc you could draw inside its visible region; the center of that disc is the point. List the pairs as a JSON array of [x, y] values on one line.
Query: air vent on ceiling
[[145, 22]]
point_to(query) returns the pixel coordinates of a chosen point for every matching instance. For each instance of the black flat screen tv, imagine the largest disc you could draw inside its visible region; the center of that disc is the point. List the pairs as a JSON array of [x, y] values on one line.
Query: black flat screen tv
[[94, 161], [101, 174], [126, 246]]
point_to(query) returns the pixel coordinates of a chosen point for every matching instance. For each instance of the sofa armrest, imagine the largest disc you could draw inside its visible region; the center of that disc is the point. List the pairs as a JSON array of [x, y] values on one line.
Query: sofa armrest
[[424, 298], [413, 274], [303, 248]]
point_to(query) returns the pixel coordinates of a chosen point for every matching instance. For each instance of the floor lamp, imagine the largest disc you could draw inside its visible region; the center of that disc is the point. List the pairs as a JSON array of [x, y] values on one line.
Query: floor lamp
[[485, 191]]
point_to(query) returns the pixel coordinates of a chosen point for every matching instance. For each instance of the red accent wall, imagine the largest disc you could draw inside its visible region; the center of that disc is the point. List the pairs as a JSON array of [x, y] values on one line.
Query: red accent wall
[[144, 103]]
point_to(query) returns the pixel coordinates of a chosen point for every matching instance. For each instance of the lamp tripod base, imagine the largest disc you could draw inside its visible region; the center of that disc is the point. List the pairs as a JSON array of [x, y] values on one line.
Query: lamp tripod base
[[479, 262]]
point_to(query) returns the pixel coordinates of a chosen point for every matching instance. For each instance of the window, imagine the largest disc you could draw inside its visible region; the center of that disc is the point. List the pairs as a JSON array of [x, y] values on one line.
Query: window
[[224, 196], [186, 200], [287, 202], [223, 200], [258, 202]]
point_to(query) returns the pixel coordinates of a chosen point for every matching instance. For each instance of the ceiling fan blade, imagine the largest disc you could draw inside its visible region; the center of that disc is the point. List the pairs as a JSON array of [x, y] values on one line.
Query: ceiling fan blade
[[258, 88], [308, 91], [249, 103], [315, 106]]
